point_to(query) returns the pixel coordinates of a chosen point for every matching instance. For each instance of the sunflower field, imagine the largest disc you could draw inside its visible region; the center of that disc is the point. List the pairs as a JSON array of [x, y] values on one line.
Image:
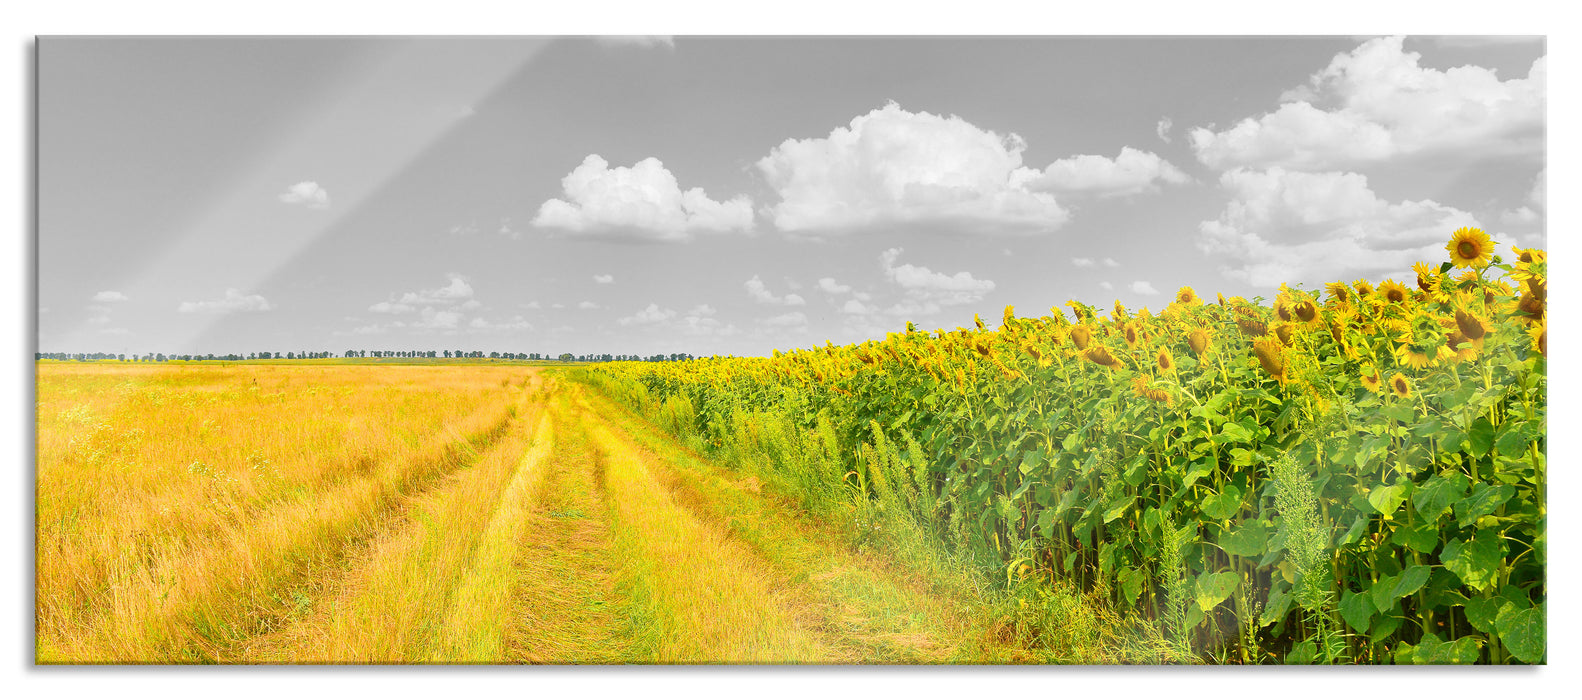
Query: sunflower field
[[1347, 475]]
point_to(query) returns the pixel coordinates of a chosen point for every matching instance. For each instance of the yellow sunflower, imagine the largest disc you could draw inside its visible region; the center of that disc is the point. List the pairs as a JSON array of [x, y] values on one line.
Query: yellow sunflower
[[1132, 333], [1364, 288], [1539, 333], [1188, 296], [1100, 356], [1199, 341], [1426, 275], [1338, 291], [1270, 356], [1081, 336], [1306, 311], [1401, 386], [1165, 361], [1472, 326], [1470, 247], [1284, 331], [1371, 381], [1392, 291]]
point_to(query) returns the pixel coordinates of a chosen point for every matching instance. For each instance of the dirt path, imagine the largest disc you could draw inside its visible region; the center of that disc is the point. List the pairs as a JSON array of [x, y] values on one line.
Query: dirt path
[[584, 535]]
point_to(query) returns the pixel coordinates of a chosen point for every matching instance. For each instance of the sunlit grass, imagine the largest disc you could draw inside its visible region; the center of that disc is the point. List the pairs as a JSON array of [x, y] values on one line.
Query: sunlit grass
[[178, 507]]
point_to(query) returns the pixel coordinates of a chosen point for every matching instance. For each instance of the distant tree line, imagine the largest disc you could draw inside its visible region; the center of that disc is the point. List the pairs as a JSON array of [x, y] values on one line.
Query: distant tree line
[[448, 354]]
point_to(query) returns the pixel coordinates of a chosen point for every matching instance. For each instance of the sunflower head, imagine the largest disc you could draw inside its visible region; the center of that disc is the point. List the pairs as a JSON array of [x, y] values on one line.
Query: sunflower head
[[978, 321], [1284, 331], [1539, 333], [1426, 275], [1270, 356], [1282, 305], [1199, 341], [1391, 291], [1120, 311], [1141, 388], [1165, 362], [1370, 379], [1364, 288], [1401, 386], [1530, 308], [1470, 325], [1222, 300], [1305, 310], [1132, 333], [1100, 356], [1338, 291], [1250, 325], [1188, 296], [1081, 336], [1470, 247]]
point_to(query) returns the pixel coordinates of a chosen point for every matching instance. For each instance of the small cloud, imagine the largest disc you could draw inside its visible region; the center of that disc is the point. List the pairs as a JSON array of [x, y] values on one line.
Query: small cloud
[[856, 307], [308, 194], [761, 294], [109, 296], [650, 315], [516, 323], [1163, 129], [830, 286], [604, 279], [99, 320], [557, 305], [531, 305], [234, 301], [1110, 262], [1107, 286], [793, 319], [588, 306], [1082, 262], [114, 331], [463, 230], [457, 290], [1141, 287], [388, 307]]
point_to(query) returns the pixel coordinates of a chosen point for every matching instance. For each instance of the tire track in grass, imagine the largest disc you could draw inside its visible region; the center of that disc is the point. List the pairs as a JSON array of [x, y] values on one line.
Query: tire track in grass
[[565, 608], [694, 594], [392, 601], [886, 613]]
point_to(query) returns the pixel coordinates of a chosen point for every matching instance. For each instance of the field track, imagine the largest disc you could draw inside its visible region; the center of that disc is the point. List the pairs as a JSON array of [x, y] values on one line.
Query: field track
[[566, 531]]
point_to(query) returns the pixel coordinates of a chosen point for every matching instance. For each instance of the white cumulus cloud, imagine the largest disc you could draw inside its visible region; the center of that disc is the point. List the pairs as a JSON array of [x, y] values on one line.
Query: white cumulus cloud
[[1143, 287], [1082, 262], [588, 305], [895, 166], [642, 202], [457, 290], [650, 315], [830, 286], [1386, 105], [1286, 226], [761, 294], [234, 301], [1163, 129], [308, 194], [604, 279], [1131, 172], [927, 291], [109, 296]]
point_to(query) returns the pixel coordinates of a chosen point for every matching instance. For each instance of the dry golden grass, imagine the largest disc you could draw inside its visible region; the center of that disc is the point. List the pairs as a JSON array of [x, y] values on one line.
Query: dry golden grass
[[411, 514], [179, 508]]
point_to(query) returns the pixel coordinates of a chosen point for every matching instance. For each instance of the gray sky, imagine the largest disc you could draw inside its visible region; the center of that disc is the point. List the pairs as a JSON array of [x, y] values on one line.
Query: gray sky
[[733, 195]]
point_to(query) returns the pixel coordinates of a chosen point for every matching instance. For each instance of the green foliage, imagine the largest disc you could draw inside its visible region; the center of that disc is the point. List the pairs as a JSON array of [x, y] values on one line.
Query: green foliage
[[1341, 486]]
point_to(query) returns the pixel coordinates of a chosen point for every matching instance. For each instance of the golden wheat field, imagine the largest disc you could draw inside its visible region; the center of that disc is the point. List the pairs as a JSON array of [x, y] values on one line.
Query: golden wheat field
[[255, 513]]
